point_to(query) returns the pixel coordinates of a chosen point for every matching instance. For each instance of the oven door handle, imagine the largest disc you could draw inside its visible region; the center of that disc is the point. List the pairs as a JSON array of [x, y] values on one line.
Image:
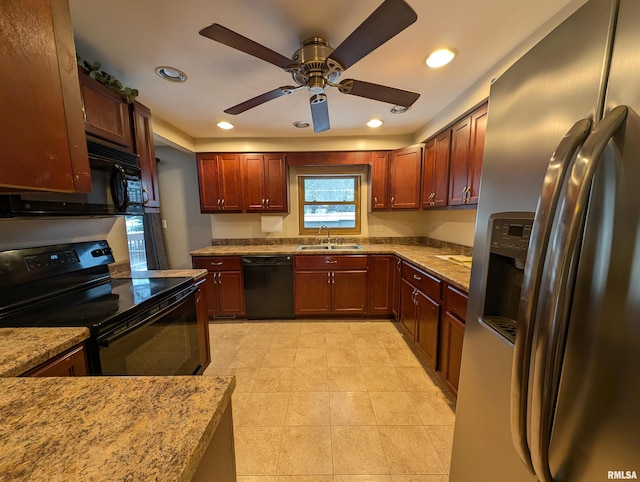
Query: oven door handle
[[123, 331]]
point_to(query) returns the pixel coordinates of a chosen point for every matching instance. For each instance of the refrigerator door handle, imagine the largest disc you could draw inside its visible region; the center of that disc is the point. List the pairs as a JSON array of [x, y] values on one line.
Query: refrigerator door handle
[[543, 220], [553, 312]]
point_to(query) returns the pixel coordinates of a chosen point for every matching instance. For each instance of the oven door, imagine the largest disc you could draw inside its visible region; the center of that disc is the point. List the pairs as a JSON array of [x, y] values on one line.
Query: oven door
[[164, 343]]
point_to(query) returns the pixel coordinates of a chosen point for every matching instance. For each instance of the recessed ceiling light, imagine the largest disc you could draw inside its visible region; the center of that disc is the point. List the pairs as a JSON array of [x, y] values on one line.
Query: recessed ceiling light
[[441, 57], [399, 109], [301, 124], [171, 74], [225, 125], [374, 123]]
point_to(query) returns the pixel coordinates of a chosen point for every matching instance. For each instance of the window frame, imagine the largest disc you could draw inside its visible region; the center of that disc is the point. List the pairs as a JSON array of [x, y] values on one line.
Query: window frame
[[357, 201]]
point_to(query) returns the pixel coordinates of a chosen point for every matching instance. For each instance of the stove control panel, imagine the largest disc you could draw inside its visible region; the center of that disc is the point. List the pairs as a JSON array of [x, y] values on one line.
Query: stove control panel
[[39, 262]]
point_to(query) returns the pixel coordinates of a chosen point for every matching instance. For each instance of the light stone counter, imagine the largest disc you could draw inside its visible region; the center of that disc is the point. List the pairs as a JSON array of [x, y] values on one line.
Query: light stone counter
[[108, 428], [420, 256], [22, 349], [196, 274]]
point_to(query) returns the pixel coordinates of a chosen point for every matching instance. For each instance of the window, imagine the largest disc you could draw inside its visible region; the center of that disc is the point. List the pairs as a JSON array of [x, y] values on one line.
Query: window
[[135, 239], [332, 201]]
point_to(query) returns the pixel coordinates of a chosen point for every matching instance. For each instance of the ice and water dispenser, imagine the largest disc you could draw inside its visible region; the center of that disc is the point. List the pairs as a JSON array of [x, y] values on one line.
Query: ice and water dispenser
[[509, 244]]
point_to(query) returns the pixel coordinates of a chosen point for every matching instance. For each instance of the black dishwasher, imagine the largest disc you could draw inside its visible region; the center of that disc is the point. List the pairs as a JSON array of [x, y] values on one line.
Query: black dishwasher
[[268, 287]]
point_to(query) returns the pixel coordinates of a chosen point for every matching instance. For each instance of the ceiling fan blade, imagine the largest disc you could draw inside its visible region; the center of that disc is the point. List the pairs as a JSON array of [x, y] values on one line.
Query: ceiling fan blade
[[319, 112], [388, 20], [232, 39], [378, 92], [261, 99]]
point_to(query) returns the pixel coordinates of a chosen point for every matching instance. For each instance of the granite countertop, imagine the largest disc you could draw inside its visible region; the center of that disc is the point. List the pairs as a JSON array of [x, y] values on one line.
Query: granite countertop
[[423, 257], [116, 428], [22, 349], [196, 274]]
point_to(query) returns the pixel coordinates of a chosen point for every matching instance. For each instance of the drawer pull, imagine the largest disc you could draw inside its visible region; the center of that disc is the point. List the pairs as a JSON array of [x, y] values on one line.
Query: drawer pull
[[335, 261], [415, 276], [216, 263]]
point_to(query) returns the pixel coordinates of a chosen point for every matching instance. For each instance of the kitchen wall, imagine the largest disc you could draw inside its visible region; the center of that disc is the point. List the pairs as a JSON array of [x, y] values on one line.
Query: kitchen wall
[[25, 233], [186, 229]]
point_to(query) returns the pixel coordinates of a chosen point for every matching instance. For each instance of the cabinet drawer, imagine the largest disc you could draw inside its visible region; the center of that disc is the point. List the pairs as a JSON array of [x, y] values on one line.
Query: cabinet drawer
[[331, 263], [424, 282], [455, 302], [218, 263]]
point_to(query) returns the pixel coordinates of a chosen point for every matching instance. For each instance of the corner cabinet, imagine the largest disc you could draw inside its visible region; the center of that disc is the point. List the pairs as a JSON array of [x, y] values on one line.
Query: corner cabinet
[[224, 286], [435, 171], [330, 285], [264, 183], [145, 149], [41, 90], [404, 178], [219, 182], [467, 146]]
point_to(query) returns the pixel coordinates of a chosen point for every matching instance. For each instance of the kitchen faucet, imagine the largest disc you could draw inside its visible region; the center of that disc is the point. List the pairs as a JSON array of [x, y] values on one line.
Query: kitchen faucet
[[328, 233]]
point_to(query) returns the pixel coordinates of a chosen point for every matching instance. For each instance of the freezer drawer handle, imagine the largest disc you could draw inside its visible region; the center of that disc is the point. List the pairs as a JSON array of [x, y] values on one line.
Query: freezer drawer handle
[[555, 290], [543, 220]]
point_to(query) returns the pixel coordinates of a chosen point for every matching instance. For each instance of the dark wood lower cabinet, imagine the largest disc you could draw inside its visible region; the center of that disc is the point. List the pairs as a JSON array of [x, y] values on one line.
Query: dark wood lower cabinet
[[451, 350], [71, 363], [312, 293], [225, 285], [408, 308], [381, 290], [427, 318]]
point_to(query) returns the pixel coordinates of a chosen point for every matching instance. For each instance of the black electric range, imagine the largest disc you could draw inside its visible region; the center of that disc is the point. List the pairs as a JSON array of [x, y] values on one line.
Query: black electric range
[[131, 321]]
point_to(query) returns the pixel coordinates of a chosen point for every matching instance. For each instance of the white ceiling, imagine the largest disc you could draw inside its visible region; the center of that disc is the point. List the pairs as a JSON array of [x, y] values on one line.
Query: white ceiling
[[131, 38]]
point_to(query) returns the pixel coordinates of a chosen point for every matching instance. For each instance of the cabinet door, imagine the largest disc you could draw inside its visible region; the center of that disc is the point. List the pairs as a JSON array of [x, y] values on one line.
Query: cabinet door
[[146, 150], [459, 159], [395, 289], [381, 272], [202, 313], [440, 169], [213, 305], [253, 175], [428, 315], [312, 292], [229, 182], [405, 177], [275, 169], [349, 292], [107, 113], [210, 198], [451, 345], [408, 307], [478, 131], [230, 293], [43, 140], [379, 181]]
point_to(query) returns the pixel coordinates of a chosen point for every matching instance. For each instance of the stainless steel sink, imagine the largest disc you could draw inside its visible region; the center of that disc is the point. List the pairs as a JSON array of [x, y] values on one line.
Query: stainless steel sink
[[326, 247]]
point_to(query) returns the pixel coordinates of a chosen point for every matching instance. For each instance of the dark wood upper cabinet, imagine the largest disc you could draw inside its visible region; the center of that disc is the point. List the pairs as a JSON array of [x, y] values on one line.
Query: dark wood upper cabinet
[[264, 182], [380, 181], [43, 138], [107, 114], [435, 170], [404, 178], [219, 182], [146, 150], [467, 146]]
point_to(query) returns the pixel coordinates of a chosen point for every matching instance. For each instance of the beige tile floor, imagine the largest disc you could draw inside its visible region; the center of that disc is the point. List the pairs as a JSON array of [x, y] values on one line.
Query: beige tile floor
[[338, 401]]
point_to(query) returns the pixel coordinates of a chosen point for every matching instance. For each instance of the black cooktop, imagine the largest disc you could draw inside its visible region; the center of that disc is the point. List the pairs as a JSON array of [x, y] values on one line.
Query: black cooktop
[[99, 306]]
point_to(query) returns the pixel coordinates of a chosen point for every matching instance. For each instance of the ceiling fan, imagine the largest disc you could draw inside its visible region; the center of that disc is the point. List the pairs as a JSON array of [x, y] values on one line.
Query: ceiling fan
[[316, 65]]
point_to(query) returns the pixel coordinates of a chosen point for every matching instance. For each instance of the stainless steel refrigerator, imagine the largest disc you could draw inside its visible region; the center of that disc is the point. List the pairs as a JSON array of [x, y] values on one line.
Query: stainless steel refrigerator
[[556, 264]]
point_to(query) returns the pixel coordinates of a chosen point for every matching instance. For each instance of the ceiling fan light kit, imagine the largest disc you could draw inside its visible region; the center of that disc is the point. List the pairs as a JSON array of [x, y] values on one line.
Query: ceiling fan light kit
[[316, 65]]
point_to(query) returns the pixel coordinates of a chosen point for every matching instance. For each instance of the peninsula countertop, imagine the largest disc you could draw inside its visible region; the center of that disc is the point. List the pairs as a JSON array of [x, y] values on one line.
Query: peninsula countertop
[[432, 260], [108, 428]]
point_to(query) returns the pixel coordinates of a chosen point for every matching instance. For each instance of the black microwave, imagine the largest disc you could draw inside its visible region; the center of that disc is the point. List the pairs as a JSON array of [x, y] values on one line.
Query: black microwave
[[116, 189]]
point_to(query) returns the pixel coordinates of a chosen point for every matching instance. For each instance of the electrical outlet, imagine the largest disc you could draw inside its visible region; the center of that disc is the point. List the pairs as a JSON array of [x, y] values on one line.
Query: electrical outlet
[[164, 223]]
